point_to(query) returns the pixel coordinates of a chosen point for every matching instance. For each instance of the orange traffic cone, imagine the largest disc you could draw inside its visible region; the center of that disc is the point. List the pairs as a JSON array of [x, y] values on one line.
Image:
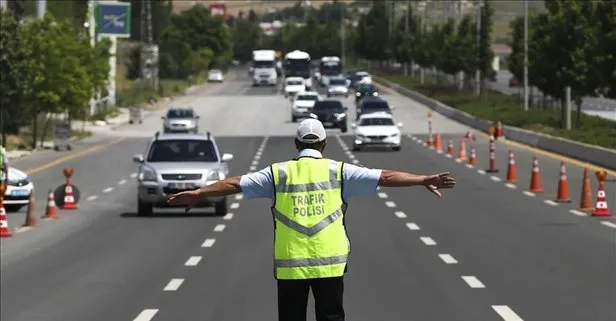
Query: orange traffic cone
[[430, 142], [500, 133], [473, 159], [30, 218], [462, 151], [51, 211], [4, 224], [535, 178], [450, 149], [512, 170], [563, 186], [69, 200], [586, 198], [438, 146], [601, 207]]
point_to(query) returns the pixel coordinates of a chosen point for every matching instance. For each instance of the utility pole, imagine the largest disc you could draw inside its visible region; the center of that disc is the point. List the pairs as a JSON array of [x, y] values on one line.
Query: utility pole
[[41, 8], [525, 54], [342, 37], [406, 29], [477, 71]]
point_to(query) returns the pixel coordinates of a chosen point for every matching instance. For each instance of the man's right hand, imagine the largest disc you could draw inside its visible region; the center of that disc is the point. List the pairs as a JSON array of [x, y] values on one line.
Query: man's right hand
[[439, 181]]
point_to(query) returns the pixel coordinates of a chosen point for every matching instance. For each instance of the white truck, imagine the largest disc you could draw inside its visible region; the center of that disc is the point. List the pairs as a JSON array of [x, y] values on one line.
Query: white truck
[[329, 67], [297, 64], [264, 68]]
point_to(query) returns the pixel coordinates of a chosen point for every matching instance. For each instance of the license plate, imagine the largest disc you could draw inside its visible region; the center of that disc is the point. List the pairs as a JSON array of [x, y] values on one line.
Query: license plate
[[328, 123], [181, 185], [20, 192]]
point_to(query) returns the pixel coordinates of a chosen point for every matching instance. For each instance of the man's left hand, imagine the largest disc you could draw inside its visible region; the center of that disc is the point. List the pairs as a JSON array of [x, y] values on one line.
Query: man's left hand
[[439, 181]]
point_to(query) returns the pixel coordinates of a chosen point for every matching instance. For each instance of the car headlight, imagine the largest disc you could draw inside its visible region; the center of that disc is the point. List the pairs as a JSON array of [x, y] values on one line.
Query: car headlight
[[357, 94], [147, 175], [215, 176], [375, 94], [340, 116]]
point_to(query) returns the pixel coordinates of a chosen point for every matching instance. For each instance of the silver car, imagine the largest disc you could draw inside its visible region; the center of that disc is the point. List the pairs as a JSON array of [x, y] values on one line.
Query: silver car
[[180, 120], [179, 162], [337, 87]]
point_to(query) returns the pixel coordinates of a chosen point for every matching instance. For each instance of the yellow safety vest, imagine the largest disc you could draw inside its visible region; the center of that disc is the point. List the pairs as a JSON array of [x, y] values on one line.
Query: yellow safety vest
[[310, 239]]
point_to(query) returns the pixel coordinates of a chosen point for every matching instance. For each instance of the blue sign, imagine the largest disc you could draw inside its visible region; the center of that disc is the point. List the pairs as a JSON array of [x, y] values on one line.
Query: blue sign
[[113, 19]]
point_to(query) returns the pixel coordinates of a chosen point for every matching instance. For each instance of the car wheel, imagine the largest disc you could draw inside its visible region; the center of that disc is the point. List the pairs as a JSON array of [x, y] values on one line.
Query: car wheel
[[343, 129], [144, 209], [397, 148], [221, 207], [13, 207]]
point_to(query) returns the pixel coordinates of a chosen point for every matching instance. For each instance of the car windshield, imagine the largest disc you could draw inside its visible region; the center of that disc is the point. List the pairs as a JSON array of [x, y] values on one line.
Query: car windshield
[[375, 105], [214, 71], [307, 97], [337, 81], [376, 122], [362, 74], [182, 150], [367, 88], [294, 82], [328, 106], [180, 113], [263, 64]]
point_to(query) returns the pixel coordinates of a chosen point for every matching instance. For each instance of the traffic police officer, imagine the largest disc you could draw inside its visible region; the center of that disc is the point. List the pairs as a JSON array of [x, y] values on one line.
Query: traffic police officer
[[309, 195]]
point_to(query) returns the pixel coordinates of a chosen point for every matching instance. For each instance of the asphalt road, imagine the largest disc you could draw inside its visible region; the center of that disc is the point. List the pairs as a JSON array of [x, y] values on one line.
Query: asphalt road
[[483, 252]]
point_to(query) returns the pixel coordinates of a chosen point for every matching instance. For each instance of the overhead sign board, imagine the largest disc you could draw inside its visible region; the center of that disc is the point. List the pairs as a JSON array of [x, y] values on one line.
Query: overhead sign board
[[113, 19]]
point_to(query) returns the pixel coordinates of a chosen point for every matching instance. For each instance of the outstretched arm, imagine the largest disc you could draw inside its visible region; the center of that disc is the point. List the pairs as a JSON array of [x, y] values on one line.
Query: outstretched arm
[[392, 178], [225, 187]]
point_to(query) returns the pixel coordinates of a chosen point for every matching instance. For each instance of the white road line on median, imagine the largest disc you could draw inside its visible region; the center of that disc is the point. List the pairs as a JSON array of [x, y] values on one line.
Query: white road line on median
[[108, 189], [473, 282], [173, 285], [578, 213], [146, 315], [382, 195], [239, 196], [390, 204], [427, 240], [92, 197], [506, 313], [122, 182], [133, 175], [550, 202], [495, 178], [400, 214], [208, 243], [253, 168], [228, 216], [481, 172], [448, 259], [234, 205], [193, 261], [219, 228], [530, 194], [412, 226], [608, 224], [511, 185]]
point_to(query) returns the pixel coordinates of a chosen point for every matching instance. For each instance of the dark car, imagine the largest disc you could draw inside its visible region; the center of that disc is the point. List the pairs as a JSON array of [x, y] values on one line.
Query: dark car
[[372, 105], [331, 113], [366, 90]]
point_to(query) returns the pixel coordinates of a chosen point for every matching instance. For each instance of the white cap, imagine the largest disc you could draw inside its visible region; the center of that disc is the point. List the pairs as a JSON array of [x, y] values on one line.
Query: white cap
[[313, 129]]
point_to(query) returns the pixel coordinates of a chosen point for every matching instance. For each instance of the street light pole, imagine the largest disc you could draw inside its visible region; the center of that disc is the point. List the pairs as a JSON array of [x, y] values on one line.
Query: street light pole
[[342, 37], [525, 54], [477, 72]]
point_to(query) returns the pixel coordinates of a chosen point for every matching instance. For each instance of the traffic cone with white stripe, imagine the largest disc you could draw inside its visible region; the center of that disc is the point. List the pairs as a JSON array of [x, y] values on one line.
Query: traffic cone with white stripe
[[462, 151], [535, 178], [563, 186], [430, 142], [601, 204], [512, 170], [473, 159], [492, 151], [4, 224], [438, 145], [69, 200], [450, 149], [51, 211]]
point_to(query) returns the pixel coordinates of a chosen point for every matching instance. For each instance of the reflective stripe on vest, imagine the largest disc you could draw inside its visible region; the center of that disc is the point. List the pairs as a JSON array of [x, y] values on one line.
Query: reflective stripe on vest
[[310, 238]]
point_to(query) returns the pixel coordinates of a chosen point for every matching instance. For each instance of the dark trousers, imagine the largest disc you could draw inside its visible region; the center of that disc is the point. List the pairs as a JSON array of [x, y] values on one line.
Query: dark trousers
[[293, 299]]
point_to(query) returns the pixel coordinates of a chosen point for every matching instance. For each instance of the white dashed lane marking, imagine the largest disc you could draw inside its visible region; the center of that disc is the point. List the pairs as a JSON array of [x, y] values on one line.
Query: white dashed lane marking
[[481, 172], [133, 175], [510, 185], [173, 285], [253, 168], [239, 197], [193, 261], [390, 204], [530, 194], [608, 224], [255, 163], [92, 197], [506, 313], [473, 282], [495, 178], [578, 213], [108, 189], [469, 165], [228, 216], [400, 214], [234, 205], [448, 259], [428, 241], [550, 202], [355, 161], [382, 195], [258, 156], [122, 182], [208, 243], [412, 226], [219, 228], [146, 315]]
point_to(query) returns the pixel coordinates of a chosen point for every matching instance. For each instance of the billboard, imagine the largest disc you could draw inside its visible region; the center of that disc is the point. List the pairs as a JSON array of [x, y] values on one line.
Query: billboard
[[113, 19], [218, 9]]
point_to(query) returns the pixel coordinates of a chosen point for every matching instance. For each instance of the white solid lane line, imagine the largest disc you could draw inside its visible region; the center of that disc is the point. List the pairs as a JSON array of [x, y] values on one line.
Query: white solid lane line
[[473, 282], [578, 213], [412, 226], [390, 204], [122, 182], [448, 259], [146, 315], [382, 195], [208, 243], [530, 194], [235, 205], [219, 228], [608, 224], [228, 216], [400, 214], [92, 197], [133, 175], [550, 202], [173, 285], [239, 196], [193, 261], [506, 313], [428, 240], [108, 189]]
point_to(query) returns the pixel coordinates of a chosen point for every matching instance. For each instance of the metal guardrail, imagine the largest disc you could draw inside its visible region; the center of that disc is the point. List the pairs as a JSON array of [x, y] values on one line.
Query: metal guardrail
[[597, 155]]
